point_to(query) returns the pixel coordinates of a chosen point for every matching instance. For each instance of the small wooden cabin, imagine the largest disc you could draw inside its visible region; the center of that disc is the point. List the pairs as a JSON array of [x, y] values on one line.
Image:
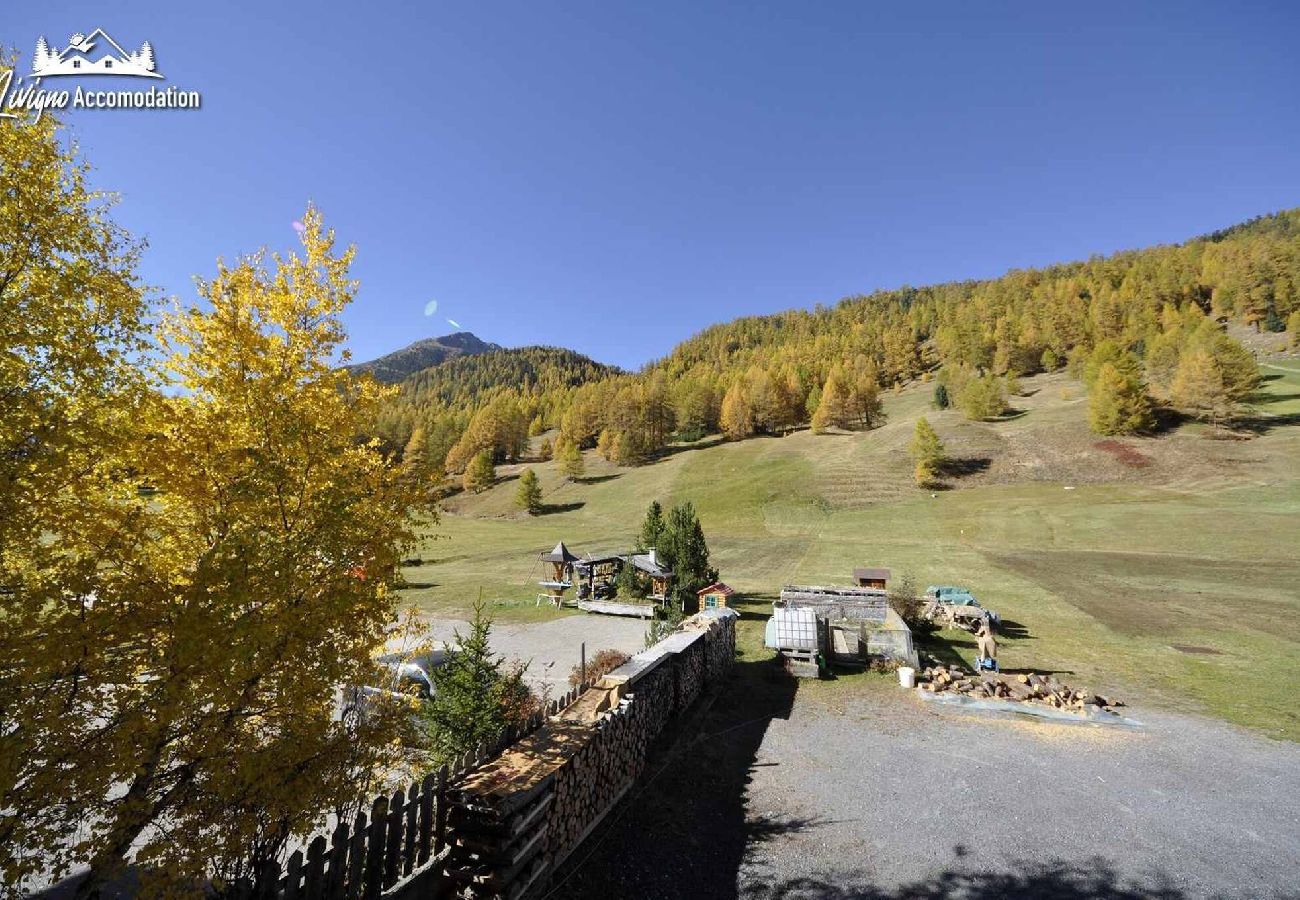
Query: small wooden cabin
[[714, 596], [871, 578], [661, 578]]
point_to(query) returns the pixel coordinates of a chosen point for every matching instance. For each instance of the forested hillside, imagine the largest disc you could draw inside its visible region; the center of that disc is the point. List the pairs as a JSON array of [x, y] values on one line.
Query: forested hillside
[[1143, 328], [517, 384]]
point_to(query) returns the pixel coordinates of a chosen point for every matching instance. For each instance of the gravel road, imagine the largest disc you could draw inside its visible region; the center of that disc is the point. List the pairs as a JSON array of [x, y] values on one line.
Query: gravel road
[[772, 796]]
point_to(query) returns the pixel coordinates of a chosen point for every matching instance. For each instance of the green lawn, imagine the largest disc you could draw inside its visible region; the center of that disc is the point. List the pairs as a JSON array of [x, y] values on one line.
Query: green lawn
[[1176, 582]]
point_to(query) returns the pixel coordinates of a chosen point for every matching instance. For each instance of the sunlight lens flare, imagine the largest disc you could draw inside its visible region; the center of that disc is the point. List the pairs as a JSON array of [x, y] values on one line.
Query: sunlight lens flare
[[431, 307]]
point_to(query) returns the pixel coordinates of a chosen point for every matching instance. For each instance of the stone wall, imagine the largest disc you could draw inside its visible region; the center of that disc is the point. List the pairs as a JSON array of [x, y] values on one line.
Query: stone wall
[[516, 818]]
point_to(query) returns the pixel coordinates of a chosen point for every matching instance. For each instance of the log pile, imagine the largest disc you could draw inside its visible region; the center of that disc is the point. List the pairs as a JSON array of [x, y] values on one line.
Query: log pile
[[515, 818], [593, 780], [498, 850], [1043, 690], [690, 675]]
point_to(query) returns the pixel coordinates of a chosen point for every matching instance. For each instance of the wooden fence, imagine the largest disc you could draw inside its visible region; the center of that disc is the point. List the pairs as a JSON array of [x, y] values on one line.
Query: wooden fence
[[402, 844]]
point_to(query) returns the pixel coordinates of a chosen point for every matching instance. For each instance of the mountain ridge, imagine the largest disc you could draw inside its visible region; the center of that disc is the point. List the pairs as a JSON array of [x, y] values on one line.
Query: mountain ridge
[[400, 364]]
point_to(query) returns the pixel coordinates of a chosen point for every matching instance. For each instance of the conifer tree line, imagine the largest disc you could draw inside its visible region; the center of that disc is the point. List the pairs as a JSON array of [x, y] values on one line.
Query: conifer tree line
[[1156, 316]]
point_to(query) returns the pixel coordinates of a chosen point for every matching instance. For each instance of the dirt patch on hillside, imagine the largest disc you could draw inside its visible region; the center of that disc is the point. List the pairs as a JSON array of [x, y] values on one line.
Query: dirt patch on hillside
[[1151, 594]]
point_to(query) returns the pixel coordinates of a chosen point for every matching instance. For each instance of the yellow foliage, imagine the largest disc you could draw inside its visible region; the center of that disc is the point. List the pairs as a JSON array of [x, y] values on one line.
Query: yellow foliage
[[196, 549]]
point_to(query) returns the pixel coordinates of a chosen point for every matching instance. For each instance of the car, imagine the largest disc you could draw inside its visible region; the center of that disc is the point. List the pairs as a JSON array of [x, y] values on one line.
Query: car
[[412, 673]]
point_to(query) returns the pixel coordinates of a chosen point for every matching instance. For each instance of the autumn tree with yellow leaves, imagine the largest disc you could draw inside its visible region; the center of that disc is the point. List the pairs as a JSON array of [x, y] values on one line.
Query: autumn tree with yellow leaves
[[195, 547]]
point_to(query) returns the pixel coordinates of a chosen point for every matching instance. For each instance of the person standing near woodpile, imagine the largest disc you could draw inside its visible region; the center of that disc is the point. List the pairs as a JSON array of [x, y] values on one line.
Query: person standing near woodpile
[[987, 646]]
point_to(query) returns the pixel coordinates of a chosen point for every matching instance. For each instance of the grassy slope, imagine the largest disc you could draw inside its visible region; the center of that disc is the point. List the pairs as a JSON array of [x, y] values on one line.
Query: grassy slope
[[1126, 580]]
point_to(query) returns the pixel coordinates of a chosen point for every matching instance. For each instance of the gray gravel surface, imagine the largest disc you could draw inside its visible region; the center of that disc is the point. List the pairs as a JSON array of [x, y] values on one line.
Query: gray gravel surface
[[769, 795], [553, 648]]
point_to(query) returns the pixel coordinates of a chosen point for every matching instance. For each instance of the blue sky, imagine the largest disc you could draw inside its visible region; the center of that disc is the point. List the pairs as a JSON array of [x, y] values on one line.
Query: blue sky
[[612, 177]]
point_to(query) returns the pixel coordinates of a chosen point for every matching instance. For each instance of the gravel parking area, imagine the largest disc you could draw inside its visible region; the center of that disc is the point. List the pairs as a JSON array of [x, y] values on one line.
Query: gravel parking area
[[553, 648], [879, 795]]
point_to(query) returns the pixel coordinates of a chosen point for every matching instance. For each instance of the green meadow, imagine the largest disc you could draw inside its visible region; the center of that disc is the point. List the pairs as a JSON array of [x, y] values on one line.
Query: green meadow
[[1162, 569]]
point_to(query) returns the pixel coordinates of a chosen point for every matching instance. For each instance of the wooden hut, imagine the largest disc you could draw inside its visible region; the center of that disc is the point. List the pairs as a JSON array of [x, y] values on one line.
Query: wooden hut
[[871, 578], [714, 596], [599, 573], [661, 577]]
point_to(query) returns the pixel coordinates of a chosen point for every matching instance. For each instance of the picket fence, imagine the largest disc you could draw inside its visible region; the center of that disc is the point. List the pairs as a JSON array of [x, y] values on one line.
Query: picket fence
[[402, 845]]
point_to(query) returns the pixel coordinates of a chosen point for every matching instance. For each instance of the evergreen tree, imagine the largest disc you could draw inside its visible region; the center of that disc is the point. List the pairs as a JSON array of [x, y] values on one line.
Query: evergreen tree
[[475, 695], [686, 552], [941, 400], [1117, 403], [1293, 326], [529, 495], [480, 473], [546, 450], [652, 529], [927, 452], [630, 584]]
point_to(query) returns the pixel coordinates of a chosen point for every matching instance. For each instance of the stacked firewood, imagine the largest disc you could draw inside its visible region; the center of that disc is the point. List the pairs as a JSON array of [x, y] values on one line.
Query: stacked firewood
[[1043, 690], [597, 775], [498, 849], [690, 675]]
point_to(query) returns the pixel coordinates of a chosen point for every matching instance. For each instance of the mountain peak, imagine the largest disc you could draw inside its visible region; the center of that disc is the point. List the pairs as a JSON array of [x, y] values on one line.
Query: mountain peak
[[393, 367]]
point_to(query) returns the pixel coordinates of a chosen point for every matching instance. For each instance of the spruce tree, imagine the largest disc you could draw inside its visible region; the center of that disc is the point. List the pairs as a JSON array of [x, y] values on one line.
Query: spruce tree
[[475, 695], [653, 528], [686, 552]]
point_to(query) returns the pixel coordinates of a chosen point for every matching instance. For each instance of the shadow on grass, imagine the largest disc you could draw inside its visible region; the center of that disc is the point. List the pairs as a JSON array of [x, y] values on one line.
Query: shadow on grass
[[597, 479], [550, 509], [1088, 879], [685, 827], [961, 466], [1263, 423], [1013, 630], [673, 449]]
